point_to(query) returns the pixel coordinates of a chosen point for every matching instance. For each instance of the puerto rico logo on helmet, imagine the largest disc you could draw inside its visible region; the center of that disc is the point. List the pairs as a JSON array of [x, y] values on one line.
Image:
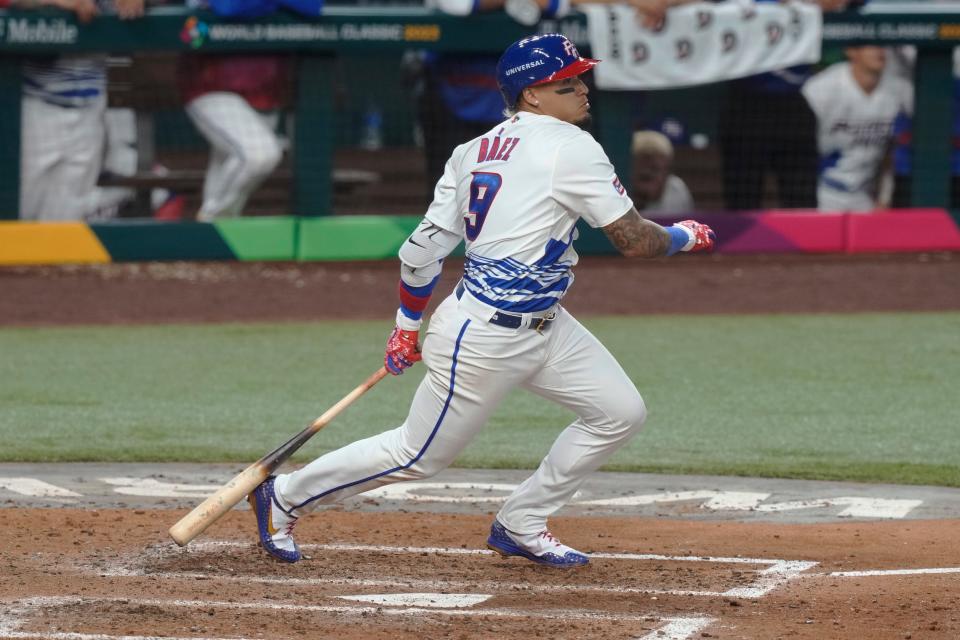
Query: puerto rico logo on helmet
[[194, 32]]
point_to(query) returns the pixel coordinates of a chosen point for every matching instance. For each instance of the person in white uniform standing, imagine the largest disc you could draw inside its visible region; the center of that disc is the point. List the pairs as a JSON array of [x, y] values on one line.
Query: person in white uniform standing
[[234, 101], [64, 124], [514, 194], [856, 105]]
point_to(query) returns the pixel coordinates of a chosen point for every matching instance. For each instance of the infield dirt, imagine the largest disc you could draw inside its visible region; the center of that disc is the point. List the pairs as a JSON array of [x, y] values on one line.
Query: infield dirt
[[73, 574], [223, 292], [116, 573]]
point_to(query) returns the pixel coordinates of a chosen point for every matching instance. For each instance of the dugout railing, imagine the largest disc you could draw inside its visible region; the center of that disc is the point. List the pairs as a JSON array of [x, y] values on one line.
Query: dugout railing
[[346, 31]]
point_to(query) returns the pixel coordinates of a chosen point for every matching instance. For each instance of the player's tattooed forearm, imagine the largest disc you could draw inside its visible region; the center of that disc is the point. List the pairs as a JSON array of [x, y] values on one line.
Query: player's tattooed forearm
[[635, 237]]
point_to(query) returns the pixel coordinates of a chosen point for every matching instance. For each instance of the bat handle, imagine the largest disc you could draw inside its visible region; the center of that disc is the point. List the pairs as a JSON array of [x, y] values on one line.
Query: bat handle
[[348, 399]]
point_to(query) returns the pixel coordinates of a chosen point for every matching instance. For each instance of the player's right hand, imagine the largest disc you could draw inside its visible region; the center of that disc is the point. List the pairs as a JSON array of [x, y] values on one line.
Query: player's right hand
[[402, 350], [702, 237]]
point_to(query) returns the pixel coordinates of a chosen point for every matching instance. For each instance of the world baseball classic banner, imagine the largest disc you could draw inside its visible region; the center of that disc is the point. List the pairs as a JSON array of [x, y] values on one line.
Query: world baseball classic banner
[[700, 43]]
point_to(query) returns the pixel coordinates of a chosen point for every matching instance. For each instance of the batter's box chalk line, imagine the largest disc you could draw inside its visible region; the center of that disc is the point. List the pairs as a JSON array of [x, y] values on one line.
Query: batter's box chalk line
[[773, 574], [18, 613]]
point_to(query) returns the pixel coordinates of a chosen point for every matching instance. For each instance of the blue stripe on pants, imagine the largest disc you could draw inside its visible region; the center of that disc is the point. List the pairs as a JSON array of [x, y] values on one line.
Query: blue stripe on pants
[[436, 427]]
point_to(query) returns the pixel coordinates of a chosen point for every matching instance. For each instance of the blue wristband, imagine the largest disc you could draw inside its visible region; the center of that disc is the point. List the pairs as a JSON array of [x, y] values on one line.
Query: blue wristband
[[551, 10], [678, 239]]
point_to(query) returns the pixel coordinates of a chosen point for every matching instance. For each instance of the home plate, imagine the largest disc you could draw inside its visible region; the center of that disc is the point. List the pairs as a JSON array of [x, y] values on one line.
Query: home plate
[[438, 600]]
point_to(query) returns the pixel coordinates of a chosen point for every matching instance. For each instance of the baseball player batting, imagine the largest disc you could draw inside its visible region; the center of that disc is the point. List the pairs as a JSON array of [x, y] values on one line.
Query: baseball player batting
[[514, 194]]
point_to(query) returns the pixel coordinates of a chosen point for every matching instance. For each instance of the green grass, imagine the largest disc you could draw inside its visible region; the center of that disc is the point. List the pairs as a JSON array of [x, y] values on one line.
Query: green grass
[[861, 397]]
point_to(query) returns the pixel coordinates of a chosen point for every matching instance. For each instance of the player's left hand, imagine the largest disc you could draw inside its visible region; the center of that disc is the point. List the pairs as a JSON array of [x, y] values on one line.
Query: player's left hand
[[702, 237], [402, 350]]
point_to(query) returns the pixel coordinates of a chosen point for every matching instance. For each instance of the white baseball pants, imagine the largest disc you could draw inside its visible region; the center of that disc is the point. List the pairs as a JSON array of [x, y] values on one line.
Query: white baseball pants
[[244, 150], [60, 158], [833, 200], [64, 150], [471, 366]]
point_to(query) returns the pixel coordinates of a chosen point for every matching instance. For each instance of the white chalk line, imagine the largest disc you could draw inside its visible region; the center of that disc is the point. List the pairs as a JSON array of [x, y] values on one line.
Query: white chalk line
[[73, 635], [13, 617], [218, 544], [60, 601], [36, 488], [778, 569], [679, 629], [877, 573], [395, 583], [493, 493], [445, 600], [11, 623], [773, 576]]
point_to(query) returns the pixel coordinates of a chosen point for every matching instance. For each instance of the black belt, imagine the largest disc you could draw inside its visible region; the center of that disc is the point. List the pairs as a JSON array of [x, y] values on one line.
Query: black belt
[[511, 320]]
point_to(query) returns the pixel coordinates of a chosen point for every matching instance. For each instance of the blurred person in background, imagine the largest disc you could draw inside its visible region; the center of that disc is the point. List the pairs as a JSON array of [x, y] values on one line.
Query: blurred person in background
[[121, 146], [901, 62], [460, 99], [653, 187], [856, 105], [235, 100], [767, 125], [64, 124], [649, 12]]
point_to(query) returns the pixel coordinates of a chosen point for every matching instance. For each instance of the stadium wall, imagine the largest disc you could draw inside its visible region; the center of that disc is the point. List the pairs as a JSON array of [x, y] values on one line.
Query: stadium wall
[[338, 238], [351, 31]]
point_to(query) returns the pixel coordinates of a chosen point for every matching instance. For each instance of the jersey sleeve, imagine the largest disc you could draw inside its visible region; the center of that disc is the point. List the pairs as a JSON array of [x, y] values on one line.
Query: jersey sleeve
[[585, 183], [905, 93], [817, 92], [443, 211]]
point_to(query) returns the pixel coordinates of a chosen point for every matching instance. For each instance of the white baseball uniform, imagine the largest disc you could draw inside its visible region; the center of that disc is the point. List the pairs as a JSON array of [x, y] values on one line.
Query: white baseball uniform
[[244, 150], [676, 198], [62, 136], [854, 131], [515, 195], [68, 136]]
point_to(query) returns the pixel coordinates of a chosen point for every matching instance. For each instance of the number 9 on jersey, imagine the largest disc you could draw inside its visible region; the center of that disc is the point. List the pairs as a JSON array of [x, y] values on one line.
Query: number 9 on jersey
[[483, 190]]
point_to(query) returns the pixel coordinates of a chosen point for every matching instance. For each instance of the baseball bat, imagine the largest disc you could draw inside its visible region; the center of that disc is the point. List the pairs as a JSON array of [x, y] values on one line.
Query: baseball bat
[[211, 509]]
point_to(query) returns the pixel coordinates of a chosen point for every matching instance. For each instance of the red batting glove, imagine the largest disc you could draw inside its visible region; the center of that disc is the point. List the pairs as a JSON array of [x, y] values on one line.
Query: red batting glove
[[702, 237], [402, 350]]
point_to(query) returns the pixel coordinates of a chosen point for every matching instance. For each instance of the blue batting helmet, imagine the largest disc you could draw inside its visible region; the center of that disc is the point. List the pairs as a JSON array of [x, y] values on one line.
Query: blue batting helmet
[[536, 60]]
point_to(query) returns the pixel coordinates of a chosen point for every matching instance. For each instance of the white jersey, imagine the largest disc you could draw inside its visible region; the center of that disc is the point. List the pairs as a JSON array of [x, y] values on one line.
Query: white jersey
[[66, 81], [515, 194], [854, 129], [676, 198]]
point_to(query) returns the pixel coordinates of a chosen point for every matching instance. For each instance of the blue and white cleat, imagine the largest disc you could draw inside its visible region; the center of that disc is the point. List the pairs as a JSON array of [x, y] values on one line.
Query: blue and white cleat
[[541, 548], [273, 523]]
